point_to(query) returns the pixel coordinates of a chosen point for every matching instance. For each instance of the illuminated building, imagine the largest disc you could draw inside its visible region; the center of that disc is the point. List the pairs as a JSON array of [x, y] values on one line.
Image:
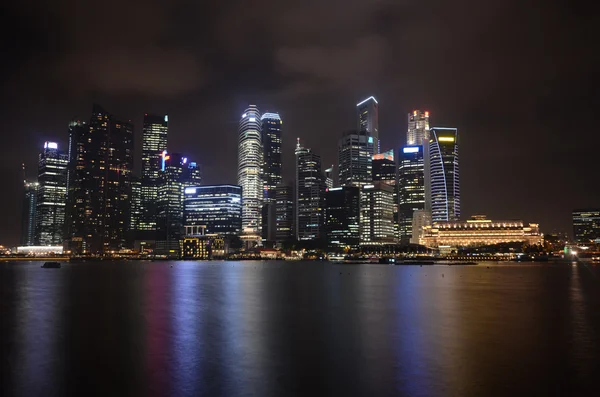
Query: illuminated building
[[586, 225], [411, 189], [136, 206], [28, 212], [479, 231], [271, 140], [418, 128], [284, 213], [216, 208], [250, 160], [51, 196], [421, 219], [328, 173], [377, 214], [342, 216], [177, 173], [310, 189], [384, 170], [154, 143], [368, 120], [444, 176], [355, 158], [101, 163]]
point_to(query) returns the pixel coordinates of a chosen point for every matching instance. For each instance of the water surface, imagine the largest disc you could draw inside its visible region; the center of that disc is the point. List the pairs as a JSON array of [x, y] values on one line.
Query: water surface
[[299, 328]]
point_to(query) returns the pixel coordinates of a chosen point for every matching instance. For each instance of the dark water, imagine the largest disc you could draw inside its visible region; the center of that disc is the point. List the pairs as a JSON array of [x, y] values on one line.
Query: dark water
[[284, 328]]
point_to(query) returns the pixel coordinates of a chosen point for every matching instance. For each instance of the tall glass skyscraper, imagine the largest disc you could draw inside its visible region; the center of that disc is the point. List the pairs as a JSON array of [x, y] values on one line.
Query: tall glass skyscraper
[[28, 212], [310, 189], [250, 161], [101, 164], [52, 195], [411, 188], [271, 139], [586, 225], [284, 213], [355, 158], [342, 216], [377, 214], [154, 143], [368, 120], [444, 174], [418, 128]]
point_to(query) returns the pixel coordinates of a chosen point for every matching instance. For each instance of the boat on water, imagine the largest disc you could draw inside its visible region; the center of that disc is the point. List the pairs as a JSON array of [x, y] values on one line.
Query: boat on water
[[51, 265]]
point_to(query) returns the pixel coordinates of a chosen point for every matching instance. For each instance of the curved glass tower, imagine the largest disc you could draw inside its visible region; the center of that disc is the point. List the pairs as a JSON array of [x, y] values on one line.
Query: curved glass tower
[[250, 160], [443, 162]]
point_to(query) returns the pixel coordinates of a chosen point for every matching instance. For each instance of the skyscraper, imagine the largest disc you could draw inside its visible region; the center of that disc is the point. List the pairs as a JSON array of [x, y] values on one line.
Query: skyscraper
[[329, 177], [368, 120], [101, 162], [377, 214], [586, 225], [250, 160], [154, 143], [444, 174], [355, 157], [411, 189], [384, 170], [284, 213], [310, 189], [28, 212], [271, 139], [418, 128], [52, 194], [136, 206], [176, 174], [342, 217]]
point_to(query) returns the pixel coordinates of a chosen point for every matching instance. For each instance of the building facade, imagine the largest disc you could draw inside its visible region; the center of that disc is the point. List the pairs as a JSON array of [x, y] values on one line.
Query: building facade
[[355, 158], [411, 189], [586, 225], [479, 231], [215, 208], [250, 164], [368, 120], [100, 171], [418, 128], [271, 125], [28, 211], [154, 145], [51, 196], [377, 214], [310, 189], [342, 217], [444, 174], [284, 213]]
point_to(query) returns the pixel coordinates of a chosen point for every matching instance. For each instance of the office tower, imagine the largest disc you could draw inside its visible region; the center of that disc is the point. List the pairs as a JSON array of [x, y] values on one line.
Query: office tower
[[154, 143], [355, 157], [176, 174], [310, 189], [444, 186], [284, 213], [52, 195], [377, 214], [271, 139], [586, 225], [329, 177], [418, 128], [250, 160], [101, 162], [421, 220], [136, 206], [384, 168], [411, 189], [368, 120], [217, 209], [28, 212], [342, 217]]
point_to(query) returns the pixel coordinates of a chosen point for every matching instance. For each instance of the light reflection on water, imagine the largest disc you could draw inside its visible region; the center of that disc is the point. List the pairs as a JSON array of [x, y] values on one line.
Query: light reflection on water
[[302, 328]]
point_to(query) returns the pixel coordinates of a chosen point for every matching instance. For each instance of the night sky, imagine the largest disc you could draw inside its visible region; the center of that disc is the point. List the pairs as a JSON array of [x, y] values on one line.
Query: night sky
[[515, 77]]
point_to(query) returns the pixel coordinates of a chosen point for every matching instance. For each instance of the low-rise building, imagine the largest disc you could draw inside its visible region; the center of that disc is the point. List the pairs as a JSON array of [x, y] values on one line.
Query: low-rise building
[[479, 231]]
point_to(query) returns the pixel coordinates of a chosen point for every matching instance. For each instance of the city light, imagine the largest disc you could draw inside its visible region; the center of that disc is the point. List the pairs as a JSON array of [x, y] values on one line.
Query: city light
[[446, 139], [369, 98], [414, 149], [50, 145]]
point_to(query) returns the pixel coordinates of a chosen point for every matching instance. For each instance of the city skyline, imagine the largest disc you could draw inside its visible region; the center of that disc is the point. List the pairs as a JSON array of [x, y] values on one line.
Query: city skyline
[[510, 111]]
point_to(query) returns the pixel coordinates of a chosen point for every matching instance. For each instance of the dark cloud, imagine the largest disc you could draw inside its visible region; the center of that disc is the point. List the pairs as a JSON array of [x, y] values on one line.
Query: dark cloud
[[517, 78]]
